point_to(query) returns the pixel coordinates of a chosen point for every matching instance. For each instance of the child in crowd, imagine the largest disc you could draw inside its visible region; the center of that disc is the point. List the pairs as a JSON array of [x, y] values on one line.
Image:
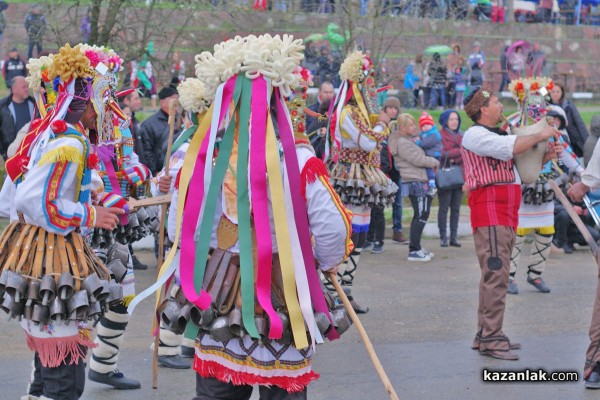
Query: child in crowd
[[460, 83], [430, 140]]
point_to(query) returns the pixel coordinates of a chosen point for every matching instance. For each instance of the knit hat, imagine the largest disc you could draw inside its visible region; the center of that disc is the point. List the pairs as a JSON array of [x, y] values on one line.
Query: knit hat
[[425, 119], [166, 92], [392, 101]]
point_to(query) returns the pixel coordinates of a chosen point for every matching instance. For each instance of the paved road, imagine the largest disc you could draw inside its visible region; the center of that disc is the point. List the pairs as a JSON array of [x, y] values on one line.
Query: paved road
[[422, 321]]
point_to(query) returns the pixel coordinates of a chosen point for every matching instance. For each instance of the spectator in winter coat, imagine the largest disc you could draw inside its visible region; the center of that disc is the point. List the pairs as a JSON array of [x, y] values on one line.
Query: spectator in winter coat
[[13, 66], [411, 162], [35, 24], [134, 102], [578, 132], [154, 131], [16, 110], [438, 74], [450, 198], [476, 62]]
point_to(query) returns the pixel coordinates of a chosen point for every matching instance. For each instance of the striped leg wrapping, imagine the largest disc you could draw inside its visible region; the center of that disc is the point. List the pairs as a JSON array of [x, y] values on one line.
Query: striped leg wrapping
[[169, 343], [539, 254], [516, 254], [109, 338]]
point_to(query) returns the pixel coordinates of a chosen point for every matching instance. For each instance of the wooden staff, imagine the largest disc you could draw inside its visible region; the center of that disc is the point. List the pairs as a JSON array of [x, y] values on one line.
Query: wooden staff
[[134, 204], [365, 338], [161, 233]]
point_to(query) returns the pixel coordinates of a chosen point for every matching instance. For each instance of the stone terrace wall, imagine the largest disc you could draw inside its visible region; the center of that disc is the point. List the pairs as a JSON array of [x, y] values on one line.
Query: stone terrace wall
[[571, 51]]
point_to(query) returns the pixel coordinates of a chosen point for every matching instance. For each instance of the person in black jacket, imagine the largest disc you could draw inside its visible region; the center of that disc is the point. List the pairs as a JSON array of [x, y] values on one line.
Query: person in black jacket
[[576, 128], [326, 93], [154, 131], [35, 24], [318, 128], [376, 234], [438, 75], [134, 102], [16, 110], [13, 66]]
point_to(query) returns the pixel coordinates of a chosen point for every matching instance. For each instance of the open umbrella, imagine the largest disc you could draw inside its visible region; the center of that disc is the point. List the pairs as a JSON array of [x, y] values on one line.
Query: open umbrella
[[525, 45], [442, 49]]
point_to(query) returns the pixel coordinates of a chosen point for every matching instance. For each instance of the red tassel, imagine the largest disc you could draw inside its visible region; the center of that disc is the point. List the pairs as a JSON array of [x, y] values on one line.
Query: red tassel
[[211, 369], [313, 169]]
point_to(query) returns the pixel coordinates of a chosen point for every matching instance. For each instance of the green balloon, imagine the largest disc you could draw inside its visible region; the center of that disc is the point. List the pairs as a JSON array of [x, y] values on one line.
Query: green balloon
[[333, 36]]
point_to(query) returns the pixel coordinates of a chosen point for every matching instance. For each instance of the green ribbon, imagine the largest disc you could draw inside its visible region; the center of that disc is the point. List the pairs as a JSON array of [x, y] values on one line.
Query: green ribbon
[[185, 135], [243, 203]]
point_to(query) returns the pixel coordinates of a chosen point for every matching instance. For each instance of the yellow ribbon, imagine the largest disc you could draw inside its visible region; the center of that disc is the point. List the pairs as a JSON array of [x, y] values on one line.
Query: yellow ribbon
[[184, 181], [283, 239], [360, 101]]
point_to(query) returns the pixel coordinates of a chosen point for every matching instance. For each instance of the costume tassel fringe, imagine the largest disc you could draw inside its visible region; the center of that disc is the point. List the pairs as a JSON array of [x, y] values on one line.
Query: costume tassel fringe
[[54, 351], [63, 154], [211, 369]]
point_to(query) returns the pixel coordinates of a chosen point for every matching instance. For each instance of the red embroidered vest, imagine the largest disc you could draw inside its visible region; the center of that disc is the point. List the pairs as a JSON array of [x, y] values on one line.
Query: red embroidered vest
[[480, 171]]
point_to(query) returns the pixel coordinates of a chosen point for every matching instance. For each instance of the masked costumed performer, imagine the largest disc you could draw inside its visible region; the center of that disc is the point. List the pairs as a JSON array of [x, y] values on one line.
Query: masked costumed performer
[[52, 207], [356, 129], [121, 174], [260, 291]]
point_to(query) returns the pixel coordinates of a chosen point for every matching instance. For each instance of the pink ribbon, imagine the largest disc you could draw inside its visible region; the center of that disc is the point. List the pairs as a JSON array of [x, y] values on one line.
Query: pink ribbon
[[191, 212], [260, 204]]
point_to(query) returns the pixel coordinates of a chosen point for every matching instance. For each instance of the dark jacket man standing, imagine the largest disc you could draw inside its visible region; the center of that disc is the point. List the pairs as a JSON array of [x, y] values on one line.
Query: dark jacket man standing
[[13, 66], [154, 132], [16, 110]]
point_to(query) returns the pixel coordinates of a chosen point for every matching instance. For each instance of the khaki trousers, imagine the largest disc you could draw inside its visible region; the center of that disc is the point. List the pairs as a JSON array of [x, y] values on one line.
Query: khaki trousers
[[592, 356], [494, 246]]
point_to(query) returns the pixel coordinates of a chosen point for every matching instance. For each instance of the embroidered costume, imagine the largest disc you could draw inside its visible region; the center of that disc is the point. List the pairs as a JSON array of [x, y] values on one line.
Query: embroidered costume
[[259, 292], [354, 163], [50, 277], [536, 212]]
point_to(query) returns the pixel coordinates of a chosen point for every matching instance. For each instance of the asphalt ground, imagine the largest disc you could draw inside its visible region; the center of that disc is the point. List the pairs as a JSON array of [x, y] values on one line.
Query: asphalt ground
[[422, 320]]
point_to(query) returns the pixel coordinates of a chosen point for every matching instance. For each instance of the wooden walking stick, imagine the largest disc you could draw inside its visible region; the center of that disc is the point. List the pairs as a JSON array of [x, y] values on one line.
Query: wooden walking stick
[[365, 338], [161, 233]]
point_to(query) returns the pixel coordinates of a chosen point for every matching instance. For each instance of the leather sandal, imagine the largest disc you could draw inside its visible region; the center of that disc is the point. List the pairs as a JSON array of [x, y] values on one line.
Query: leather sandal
[[500, 354]]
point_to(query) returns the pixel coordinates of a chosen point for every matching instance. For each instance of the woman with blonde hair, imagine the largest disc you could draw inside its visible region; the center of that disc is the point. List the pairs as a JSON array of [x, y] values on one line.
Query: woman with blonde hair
[[411, 161]]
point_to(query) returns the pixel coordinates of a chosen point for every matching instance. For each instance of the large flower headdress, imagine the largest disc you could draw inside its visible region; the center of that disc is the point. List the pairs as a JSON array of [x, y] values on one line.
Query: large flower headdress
[[251, 78], [531, 95], [52, 80]]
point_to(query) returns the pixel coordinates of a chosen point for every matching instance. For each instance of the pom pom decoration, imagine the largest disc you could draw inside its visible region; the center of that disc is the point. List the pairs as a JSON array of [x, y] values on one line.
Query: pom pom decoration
[[58, 126], [355, 66], [35, 124], [93, 161], [193, 95]]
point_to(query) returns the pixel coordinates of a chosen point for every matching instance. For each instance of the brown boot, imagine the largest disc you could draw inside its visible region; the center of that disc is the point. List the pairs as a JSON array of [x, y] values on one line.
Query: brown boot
[[398, 237]]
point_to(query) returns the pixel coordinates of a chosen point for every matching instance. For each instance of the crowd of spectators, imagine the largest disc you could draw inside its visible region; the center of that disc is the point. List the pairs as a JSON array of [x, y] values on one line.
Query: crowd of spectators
[[527, 11]]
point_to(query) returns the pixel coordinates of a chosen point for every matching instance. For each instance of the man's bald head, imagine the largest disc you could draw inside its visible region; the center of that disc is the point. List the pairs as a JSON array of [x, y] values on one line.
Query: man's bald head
[[19, 89]]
